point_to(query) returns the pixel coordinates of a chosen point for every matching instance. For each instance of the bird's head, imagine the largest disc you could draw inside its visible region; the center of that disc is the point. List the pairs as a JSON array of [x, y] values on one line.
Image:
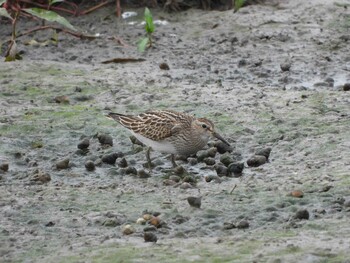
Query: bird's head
[[206, 130]]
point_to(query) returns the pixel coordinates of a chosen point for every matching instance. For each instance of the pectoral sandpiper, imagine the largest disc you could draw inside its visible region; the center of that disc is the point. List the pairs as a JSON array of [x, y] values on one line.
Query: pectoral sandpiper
[[169, 131]]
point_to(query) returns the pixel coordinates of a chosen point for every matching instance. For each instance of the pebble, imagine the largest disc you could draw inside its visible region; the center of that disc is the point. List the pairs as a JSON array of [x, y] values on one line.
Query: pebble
[[147, 217], [228, 226], [209, 161], [235, 169], [256, 160], [155, 221], [302, 214], [192, 161], [189, 179], [110, 158], [346, 87], [62, 99], [110, 222], [90, 165], [347, 203], [221, 170], [40, 177], [84, 144], [179, 170], [226, 159], [169, 182], [194, 201], [131, 170], [105, 139], [211, 152], [297, 194], [141, 221], [285, 66], [128, 230], [122, 163], [209, 178], [143, 174], [201, 155], [243, 224], [62, 164], [4, 167], [264, 152], [222, 147], [175, 178], [150, 237], [164, 66]]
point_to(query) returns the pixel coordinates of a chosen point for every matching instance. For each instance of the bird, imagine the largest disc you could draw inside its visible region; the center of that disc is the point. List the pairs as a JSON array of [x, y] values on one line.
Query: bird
[[168, 131]]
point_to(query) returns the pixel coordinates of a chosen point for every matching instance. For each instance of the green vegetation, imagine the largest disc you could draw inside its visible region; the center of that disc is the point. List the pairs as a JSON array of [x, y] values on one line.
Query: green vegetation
[[146, 42]]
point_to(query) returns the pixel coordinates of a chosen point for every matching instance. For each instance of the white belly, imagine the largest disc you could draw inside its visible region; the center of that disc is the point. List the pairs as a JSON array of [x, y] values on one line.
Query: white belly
[[160, 146]]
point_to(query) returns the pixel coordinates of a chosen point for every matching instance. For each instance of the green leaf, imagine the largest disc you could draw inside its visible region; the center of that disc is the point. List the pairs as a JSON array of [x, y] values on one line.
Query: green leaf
[[239, 4], [49, 16], [141, 46], [149, 21], [3, 12]]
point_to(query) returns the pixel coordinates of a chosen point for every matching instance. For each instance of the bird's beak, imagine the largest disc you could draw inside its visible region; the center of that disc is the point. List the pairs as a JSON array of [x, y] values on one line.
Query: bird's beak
[[218, 136]]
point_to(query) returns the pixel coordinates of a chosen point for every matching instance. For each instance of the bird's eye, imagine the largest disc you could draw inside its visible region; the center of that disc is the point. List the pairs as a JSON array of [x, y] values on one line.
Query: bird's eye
[[204, 126]]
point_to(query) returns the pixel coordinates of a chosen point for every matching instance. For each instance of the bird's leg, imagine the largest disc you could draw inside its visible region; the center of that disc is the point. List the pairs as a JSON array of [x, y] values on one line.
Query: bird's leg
[[173, 160], [148, 156]]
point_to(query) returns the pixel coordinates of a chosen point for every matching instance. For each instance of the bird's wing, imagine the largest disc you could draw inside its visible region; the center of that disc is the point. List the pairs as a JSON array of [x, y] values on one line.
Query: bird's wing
[[154, 125]]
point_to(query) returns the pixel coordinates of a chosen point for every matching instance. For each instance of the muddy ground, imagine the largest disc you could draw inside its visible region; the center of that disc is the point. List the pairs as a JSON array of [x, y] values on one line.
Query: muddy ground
[[225, 66]]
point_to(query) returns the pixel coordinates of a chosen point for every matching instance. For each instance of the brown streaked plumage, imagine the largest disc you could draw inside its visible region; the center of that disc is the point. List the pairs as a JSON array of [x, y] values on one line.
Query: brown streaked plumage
[[169, 131]]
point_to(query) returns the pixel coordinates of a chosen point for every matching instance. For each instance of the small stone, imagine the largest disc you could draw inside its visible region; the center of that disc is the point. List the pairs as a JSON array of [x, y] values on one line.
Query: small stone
[[110, 158], [122, 163], [50, 224], [226, 159], [143, 174], [155, 221], [194, 201], [235, 169], [347, 203], [222, 147], [62, 99], [209, 161], [189, 179], [179, 170], [221, 170], [141, 221], [147, 216], [164, 66], [40, 177], [63, 164], [346, 87], [131, 170], [201, 155], [150, 237], [297, 194], [256, 160], [302, 214], [84, 144], [285, 66], [192, 161], [209, 178], [264, 152], [105, 139], [4, 167], [110, 222], [128, 230], [169, 182], [211, 152], [175, 178], [228, 226], [243, 224], [90, 165]]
